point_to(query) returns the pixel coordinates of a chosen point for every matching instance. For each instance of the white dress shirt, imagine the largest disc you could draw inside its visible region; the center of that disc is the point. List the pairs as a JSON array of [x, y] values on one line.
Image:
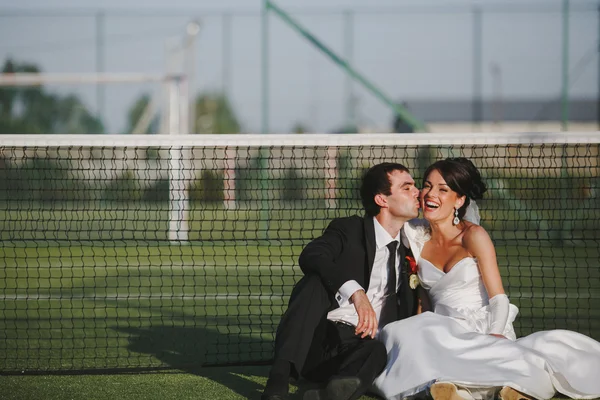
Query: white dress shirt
[[377, 284]]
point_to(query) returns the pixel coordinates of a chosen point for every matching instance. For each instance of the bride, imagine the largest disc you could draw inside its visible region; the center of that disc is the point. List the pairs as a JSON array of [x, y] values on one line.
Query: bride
[[466, 348]]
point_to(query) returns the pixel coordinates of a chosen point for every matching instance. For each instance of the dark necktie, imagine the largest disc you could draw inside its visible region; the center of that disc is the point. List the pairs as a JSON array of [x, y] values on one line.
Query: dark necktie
[[391, 268], [389, 310]]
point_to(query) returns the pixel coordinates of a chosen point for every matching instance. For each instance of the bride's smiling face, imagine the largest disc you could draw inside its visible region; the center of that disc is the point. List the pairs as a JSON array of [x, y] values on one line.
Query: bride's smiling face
[[438, 200]]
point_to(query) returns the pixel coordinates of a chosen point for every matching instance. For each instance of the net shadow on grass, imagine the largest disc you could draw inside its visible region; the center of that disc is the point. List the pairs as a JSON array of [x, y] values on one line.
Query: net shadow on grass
[[188, 349]]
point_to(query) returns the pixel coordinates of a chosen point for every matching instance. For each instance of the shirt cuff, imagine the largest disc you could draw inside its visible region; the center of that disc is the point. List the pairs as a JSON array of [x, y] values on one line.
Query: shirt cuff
[[346, 291]]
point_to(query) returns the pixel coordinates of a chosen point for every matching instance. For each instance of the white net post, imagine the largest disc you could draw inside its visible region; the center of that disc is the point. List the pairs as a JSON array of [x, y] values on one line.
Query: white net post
[[178, 190]]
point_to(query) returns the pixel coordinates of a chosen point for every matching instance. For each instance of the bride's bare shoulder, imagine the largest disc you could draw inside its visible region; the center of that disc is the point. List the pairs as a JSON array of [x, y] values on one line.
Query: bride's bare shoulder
[[473, 232]]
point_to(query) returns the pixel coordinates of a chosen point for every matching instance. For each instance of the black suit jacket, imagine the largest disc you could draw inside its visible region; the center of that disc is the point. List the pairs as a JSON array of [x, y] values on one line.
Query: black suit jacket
[[346, 251]]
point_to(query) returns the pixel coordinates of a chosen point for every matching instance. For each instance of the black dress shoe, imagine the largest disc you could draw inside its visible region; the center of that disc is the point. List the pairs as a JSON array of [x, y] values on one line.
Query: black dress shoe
[[275, 393], [315, 394], [338, 388], [276, 388]]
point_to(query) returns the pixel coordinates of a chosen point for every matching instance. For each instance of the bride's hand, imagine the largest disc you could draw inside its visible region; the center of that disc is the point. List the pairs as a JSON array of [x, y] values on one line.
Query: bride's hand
[[498, 335], [367, 319]]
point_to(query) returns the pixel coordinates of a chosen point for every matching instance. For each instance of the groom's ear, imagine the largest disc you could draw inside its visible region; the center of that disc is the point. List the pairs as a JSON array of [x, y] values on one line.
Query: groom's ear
[[380, 200]]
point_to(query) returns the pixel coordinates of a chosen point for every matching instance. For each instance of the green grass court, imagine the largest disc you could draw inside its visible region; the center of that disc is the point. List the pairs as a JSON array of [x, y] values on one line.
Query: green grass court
[[100, 289], [70, 308], [228, 383]]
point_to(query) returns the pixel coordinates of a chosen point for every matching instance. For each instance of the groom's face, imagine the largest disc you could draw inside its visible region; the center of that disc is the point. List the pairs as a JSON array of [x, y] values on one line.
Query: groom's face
[[403, 201]]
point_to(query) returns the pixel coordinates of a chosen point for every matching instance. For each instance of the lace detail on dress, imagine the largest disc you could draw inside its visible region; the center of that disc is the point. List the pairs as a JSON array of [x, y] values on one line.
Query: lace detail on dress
[[422, 234]]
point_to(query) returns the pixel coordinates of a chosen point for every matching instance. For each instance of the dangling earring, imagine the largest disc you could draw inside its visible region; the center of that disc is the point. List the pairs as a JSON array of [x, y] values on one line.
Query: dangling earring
[[455, 221]]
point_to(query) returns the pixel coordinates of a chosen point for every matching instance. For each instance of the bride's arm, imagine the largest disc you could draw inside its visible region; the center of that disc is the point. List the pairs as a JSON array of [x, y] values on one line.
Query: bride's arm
[[477, 242]]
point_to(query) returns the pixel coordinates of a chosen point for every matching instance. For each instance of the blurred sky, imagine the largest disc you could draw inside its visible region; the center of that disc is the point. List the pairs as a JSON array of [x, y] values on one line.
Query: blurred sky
[[409, 54]]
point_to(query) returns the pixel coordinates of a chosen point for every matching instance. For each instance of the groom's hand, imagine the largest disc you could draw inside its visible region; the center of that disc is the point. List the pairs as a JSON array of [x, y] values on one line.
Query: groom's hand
[[367, 319]]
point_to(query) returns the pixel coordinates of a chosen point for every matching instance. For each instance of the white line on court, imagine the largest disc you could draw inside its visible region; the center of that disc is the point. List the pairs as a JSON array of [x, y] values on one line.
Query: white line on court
[[179, 266], [133, 297]]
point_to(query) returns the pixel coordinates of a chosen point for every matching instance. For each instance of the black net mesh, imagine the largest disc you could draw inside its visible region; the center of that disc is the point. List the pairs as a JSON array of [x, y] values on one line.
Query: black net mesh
[[144, 257]]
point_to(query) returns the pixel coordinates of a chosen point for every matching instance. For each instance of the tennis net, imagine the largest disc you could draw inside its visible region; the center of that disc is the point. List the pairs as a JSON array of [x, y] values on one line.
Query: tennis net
[[180, 251]]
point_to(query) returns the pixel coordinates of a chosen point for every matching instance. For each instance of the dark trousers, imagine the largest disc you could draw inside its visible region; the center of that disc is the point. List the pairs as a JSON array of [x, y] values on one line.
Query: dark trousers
[[319, 349]]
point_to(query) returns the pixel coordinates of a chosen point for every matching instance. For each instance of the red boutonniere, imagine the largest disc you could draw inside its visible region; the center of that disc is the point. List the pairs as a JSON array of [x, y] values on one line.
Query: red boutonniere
[[413, 268]]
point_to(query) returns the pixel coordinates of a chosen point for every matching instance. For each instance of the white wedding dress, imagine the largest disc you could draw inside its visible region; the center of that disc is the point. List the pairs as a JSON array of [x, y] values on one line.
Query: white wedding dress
[[452, 344]]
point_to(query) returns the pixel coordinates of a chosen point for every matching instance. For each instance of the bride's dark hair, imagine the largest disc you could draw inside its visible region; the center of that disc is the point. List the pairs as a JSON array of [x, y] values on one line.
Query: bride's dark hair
[[462, 177]]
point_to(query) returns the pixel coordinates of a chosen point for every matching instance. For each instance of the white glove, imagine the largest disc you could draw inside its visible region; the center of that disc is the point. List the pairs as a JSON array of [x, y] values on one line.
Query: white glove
[[498, 313]]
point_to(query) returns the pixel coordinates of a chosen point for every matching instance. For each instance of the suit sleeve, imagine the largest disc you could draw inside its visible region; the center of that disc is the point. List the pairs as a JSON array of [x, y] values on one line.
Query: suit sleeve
[[321, 256]]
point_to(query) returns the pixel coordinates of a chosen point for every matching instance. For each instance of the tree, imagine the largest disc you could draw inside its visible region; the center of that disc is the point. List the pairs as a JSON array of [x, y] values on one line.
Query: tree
[[214, 114], [137, 118], [400, 125], [299, 127], [7, 94], [31, 109], [346, 129]]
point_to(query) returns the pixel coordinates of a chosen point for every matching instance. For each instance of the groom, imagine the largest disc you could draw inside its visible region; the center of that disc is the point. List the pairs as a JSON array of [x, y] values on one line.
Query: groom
[[353, 284]]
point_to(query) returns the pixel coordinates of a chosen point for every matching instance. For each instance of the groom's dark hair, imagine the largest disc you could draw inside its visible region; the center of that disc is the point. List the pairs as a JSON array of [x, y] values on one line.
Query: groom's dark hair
[[377, 181]]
